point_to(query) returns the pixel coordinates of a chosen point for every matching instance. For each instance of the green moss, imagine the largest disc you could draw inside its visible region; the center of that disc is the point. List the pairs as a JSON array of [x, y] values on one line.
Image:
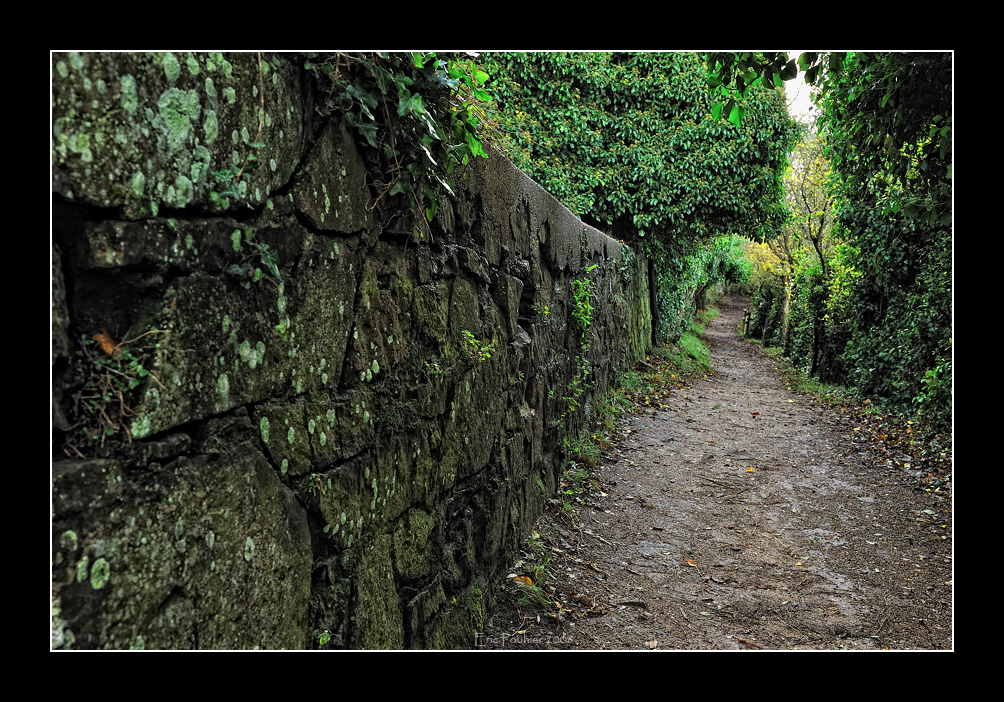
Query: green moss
[[68, 540], [128, 98], [291, 436], [176, 110], [223, 386], [82, 568], [100, 573], [138, 183], [211, 127], [141, 428], [172, 69], [184, 190], [193, 65], [62, 69]]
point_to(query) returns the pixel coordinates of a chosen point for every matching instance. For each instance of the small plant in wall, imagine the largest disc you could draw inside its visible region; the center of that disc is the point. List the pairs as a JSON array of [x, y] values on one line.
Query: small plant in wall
[[582, 303], [432, 369], [229, 179], [315, 484], [422, 114], [323, 637], [103, 406], [478, 349]]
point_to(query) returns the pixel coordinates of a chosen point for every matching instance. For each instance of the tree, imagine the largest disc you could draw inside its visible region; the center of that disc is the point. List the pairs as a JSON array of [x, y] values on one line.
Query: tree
[[886, 118], [807, 195], [628, 143], [890, 112]]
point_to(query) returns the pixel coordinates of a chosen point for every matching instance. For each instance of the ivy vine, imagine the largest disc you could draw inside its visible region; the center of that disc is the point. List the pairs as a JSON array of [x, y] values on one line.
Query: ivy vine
[[422, 116]]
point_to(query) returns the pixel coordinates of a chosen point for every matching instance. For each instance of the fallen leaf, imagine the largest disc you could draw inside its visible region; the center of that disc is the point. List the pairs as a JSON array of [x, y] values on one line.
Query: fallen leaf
[[690, 562], [749, 470], [107, 343], [524, 580]]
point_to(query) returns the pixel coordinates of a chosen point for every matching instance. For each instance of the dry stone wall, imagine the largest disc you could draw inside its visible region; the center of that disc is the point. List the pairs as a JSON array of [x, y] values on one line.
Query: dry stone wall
[[353, 439]]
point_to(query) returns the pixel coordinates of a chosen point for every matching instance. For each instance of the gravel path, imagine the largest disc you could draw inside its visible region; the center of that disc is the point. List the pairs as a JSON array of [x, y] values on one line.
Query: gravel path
[[741, 516]]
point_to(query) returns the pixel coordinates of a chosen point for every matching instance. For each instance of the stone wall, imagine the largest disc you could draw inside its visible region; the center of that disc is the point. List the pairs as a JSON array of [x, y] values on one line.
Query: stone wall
[[283, 415]]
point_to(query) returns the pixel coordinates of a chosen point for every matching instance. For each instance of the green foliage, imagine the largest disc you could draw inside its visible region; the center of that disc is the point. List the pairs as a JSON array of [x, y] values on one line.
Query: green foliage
[[934, 401], [478, 350], [889, 120], [582, 305], [888, 114], [421, 114], [686, 271], [626, 141], [245, 268], [875, 308], [732, 75], [109, 373]]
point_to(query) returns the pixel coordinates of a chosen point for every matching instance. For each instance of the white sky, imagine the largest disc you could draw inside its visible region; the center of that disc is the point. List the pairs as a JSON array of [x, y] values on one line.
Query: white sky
[[799, 102]]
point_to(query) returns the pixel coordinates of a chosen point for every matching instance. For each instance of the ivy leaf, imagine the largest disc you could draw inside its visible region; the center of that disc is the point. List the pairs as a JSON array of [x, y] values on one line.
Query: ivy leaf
[[411, 103], [736, 115]]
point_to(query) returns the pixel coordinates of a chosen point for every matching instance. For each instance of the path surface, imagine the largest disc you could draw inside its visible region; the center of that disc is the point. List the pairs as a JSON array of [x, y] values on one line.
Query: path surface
[[743, 517]]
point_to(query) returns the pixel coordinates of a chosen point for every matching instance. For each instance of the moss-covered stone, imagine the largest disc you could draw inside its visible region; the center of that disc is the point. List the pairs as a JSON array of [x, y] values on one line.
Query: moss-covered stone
[[301, 358], [169, 555], [160, 121], [379, 623]]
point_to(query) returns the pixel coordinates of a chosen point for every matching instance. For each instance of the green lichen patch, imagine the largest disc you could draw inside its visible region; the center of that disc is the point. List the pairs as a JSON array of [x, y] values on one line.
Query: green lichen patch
[[100, 573], [211, 127], [128, 96], [177, 110], [172, 69], [68, 540], [138, 183]]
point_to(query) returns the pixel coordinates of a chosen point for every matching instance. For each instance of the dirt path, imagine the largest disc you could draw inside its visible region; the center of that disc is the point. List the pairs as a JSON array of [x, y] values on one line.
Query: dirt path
[[742, 516]]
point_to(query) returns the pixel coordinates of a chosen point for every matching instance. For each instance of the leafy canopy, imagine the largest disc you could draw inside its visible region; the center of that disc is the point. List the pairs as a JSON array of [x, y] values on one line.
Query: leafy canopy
[[628, 143]]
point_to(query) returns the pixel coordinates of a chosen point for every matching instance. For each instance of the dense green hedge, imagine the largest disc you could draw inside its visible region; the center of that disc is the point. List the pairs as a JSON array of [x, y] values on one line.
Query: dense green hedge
[[627, 142], [880, 318], [889, 119]]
